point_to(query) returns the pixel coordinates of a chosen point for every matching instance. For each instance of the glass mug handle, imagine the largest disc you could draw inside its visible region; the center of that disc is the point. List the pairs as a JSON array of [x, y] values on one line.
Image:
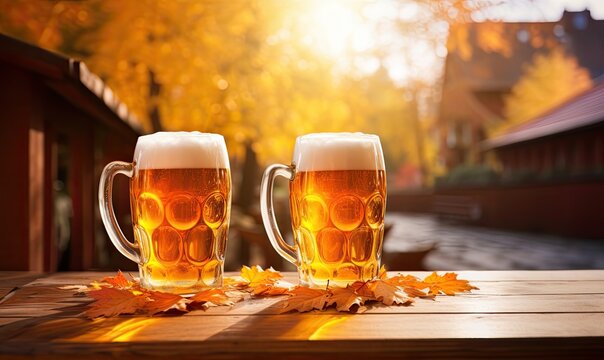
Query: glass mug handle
[[284, 249], [127, 248]]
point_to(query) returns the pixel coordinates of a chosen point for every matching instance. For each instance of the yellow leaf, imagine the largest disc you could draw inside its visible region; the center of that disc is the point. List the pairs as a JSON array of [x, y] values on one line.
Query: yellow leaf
[[236, 282], [256, 275]]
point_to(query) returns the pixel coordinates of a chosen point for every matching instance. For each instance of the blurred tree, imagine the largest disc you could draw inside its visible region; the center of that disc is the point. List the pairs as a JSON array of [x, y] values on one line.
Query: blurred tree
[[548, 81], [246, 69]]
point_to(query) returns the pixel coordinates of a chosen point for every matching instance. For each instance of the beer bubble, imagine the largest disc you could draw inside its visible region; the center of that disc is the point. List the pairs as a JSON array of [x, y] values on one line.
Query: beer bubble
[[306, 245], [210, 274], [167, 244], [150, 210], [214, 210], [379, 236], [293, 209], [370, 271], [221, 241], [181, 150], [338, 151], [183, 212], [142, 239], [347, 272], [313, 212], [347, 212], [361, 245], [199, 244], [331, 243], [319, 271], [374, 211], [184, 275]]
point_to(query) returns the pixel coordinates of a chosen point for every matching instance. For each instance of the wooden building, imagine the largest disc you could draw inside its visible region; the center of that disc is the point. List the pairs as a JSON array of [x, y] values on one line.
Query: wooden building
[[553, 173], [59, 125], [567, 141], [483, 66]]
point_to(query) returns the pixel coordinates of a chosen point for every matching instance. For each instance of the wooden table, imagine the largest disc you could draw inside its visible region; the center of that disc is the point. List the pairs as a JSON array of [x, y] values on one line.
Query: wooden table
[[526, 314]]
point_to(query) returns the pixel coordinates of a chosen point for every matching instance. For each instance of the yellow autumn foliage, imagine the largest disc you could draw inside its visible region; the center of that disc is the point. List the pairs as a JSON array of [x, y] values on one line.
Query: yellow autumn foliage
[[549, 80]]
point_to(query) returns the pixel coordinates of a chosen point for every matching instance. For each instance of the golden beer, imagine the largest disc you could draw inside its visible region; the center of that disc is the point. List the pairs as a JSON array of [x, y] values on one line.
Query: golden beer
[[180, 200], [338, 223], [179, 224], [337, 194]]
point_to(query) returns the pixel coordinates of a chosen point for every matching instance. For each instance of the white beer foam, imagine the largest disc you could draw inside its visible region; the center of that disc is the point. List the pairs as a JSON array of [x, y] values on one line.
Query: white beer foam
[[181, 150], [338, 151]]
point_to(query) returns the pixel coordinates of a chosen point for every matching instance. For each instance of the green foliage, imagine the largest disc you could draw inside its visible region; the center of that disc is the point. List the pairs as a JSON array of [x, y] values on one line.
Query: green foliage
[[469, 175]]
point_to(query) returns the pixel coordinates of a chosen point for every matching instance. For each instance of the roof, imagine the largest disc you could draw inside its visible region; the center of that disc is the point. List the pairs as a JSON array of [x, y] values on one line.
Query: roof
[[72, 80], [583, 110]]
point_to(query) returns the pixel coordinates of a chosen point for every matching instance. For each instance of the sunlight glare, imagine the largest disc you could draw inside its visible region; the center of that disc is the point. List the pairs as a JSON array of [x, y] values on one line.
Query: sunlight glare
[[333, 28]]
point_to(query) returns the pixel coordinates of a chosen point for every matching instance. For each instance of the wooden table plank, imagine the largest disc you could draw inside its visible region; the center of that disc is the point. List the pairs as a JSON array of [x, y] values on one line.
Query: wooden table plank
[[9, 280], [464, 304], [304, 333], [474, 276], [532, 314], [331, 326]]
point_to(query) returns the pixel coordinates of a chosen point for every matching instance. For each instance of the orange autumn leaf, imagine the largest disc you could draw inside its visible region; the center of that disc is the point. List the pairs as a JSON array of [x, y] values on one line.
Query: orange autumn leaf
[[447, 284], [112, 302], [413, 292], [157, 302], [235, 282], [345, 298], [270, 289], [255, 275], [405, 281], [383, 273], [214, 296], [362, 288], [119, 281], [306, 299], [389, 294], [118, 295]]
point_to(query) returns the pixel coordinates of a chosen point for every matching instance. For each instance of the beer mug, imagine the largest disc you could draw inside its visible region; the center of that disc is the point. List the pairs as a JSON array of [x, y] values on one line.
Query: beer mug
[[337, 197], [180, 198]]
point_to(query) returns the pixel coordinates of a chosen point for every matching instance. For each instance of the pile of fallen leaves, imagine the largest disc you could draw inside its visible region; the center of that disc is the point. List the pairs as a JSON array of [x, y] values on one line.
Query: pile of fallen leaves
[[118, 295]]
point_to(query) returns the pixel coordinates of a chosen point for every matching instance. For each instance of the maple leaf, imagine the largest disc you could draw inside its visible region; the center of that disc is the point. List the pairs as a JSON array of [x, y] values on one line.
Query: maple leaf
[[413, 292], [256, 275], [269, 289], [305, 299], [77, 288], [447, 284], [119, 281], [383, 273], [362, 288], [157, 302], [214, 296], [112, 302], [236, 282], [409, 281], [345, 298], [389, 294]]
